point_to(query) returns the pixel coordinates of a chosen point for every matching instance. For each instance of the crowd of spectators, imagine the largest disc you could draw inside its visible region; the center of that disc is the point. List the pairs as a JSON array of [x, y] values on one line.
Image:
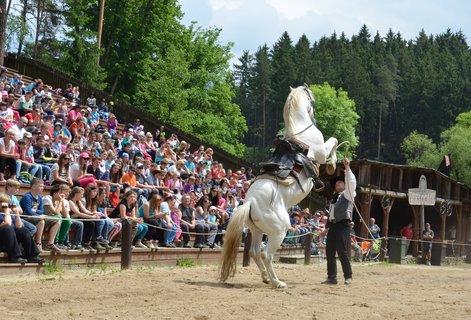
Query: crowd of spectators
[[303, 222], [99, 174]]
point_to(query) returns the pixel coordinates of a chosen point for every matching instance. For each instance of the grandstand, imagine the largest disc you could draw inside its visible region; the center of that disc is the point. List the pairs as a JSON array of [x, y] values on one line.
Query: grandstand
[[229, 185]]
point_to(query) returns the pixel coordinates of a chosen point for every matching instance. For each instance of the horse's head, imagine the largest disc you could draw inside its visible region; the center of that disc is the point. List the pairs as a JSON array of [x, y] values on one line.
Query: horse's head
[[299, 109]]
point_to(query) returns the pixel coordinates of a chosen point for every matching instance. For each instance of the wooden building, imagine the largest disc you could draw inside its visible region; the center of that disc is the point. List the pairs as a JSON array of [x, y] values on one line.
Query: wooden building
[[382, 193]]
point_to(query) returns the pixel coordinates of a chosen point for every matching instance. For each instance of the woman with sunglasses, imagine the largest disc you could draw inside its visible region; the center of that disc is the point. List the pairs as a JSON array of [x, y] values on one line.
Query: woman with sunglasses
[[60, 173]]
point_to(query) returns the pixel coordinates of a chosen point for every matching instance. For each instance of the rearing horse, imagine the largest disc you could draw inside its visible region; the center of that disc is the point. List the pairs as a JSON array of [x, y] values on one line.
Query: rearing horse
[[267, 200]]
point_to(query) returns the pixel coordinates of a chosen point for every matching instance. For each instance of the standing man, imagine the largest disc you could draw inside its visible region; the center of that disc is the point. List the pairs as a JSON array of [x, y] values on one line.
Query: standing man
[[408, 233], [340, 216], [427, 237]]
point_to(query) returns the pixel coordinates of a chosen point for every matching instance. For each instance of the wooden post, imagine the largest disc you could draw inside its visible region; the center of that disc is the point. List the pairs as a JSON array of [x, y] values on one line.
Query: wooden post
[[307, 248], [460, 228], [365, 205], [247, 244], [126, 243], [415, 244], [100, 26], [442, 227], [387, 206]]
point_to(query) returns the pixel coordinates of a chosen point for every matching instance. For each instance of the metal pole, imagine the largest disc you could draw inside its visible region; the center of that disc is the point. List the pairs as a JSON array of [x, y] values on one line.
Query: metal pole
[[247, 244], [307, 248], [126, 243]]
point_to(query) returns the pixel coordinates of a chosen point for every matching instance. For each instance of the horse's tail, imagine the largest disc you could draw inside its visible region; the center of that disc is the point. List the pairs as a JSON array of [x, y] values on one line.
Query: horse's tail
[[232, 240]]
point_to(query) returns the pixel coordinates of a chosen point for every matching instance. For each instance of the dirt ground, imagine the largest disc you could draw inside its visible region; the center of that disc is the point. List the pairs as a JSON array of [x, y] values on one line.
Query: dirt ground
[[379, 291]]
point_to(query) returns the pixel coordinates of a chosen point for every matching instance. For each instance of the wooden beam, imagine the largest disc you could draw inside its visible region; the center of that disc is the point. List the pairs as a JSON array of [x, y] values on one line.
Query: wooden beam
[[381, 192], [400, 195]]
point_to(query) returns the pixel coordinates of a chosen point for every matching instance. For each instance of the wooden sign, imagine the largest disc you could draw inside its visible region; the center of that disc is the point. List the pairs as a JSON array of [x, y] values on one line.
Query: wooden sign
[[422, 196]]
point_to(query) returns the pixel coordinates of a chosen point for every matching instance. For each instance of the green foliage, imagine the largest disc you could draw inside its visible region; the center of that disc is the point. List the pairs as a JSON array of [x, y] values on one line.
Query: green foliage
[[335, 114], [456, 141], [76, 53], [191, 88], [419, 150]]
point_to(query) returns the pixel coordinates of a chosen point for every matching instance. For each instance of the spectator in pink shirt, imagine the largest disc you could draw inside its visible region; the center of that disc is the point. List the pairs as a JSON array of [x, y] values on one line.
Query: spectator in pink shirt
[[73, 114]]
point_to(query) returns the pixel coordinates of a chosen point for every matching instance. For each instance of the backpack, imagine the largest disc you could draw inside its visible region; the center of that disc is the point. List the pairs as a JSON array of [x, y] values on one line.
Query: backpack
[[25, 177]]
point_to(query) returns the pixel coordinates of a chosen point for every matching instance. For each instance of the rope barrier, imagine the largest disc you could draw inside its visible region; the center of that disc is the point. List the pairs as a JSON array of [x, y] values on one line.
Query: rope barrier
[[46, 217], [148, 224]]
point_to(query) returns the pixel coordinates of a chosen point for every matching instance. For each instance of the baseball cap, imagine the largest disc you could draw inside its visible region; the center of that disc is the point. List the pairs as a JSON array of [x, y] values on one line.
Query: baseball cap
[[84, 155], [27, 135]]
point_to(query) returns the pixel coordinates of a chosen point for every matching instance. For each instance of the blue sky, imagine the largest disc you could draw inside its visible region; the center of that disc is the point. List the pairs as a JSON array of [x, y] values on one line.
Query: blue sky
[[251, 23]]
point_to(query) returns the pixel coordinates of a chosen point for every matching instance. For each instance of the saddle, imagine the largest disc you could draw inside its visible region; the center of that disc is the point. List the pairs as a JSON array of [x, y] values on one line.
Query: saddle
[[289, 159]]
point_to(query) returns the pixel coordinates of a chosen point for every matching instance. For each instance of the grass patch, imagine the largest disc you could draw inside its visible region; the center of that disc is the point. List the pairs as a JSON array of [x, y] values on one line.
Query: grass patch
[[53, 268], [52, 272], [185, 263]]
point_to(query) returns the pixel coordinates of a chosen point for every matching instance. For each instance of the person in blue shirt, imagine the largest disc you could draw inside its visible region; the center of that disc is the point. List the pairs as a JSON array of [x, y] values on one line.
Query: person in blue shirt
[[60, 130], [32, 205]]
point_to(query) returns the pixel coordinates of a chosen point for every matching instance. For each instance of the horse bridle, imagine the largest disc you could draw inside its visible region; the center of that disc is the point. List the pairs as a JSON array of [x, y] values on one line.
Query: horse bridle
[[310, 112]]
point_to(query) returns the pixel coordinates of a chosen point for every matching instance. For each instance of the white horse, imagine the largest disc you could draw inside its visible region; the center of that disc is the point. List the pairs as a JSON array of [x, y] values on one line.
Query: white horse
[[267, 201]]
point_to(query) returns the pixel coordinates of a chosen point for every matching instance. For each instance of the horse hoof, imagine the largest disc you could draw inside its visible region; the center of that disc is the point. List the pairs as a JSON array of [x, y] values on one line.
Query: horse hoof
[[330, 168], [266, 281], [281, 285]]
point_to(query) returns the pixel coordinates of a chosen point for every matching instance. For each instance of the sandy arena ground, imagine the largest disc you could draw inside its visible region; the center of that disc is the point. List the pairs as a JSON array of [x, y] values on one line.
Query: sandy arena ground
[[379, 291]]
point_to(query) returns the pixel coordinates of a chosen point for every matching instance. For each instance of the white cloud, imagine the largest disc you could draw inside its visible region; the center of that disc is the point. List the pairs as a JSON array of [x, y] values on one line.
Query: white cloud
[[217, 5], [295, 9]]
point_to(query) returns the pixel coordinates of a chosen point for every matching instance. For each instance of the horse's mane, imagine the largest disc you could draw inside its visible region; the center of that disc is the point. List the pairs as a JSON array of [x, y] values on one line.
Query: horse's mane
[[290, 105]]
